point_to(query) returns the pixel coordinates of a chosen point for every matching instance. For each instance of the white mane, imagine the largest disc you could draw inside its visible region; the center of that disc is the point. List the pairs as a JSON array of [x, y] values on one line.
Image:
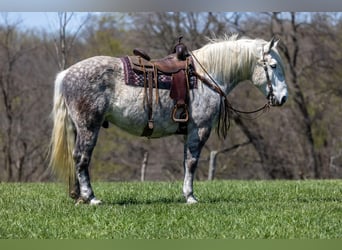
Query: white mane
[[230, 59]]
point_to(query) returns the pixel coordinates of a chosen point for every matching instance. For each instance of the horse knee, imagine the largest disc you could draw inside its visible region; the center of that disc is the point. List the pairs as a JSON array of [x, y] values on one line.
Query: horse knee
[[191, 164]]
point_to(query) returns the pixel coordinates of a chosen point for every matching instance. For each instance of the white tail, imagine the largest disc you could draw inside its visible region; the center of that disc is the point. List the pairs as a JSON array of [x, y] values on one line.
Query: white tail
[[63, 136]]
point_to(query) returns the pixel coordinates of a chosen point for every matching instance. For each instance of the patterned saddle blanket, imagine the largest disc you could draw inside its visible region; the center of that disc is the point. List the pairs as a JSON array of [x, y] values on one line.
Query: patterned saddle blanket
[[136, 78]]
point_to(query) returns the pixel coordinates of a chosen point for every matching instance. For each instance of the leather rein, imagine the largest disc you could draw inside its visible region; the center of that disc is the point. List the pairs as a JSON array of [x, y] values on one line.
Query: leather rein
[[215, 87]]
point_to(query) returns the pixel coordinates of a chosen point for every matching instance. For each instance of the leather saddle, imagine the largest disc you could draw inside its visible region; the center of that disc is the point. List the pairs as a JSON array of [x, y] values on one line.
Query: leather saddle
[[169, 65], [179, 66]]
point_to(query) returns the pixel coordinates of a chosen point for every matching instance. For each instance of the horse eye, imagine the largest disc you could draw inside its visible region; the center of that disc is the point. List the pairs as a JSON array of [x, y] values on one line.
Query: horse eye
[[273, 66]]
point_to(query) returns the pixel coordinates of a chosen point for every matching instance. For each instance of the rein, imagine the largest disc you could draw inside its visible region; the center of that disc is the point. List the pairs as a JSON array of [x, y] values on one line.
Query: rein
[[215, 87]]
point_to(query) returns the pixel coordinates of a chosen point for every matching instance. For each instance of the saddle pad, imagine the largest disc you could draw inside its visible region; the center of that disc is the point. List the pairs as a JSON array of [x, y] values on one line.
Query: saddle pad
[[136, 79]]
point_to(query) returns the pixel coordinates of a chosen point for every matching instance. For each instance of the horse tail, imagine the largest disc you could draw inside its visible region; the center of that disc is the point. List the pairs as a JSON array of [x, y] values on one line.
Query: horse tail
[[62, 141]]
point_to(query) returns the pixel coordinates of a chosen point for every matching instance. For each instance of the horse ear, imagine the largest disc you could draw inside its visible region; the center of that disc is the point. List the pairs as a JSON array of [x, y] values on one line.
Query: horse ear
[[270, 45], [275, 44]]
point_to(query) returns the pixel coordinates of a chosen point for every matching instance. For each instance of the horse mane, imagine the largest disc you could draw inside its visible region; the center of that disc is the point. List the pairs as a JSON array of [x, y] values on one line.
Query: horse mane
[[230, 55]]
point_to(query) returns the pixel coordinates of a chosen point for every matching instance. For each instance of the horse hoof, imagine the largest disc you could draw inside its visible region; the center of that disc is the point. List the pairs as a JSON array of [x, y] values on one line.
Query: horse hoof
[[92, 202], [80, 201], [191, 200], [95, 202], [74, 195]]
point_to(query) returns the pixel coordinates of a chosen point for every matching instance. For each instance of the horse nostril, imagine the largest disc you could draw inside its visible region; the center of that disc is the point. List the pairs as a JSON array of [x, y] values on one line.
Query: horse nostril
[[283, 100]]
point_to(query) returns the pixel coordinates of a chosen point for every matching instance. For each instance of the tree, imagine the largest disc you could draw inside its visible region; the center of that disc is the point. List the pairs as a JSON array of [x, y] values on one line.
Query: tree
[[159, 32], [106, 34], [65, 40], [22, 113]]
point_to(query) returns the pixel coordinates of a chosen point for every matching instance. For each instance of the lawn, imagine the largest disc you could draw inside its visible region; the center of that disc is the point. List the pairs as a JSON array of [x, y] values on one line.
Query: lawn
[[156, 210]]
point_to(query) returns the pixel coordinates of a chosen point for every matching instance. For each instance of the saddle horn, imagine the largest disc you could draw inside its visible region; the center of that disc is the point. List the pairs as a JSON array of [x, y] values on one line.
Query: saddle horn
[[181, 50]]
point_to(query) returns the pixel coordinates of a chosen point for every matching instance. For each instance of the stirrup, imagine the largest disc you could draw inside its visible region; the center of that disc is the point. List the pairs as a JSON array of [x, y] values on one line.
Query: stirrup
[[174, 113]]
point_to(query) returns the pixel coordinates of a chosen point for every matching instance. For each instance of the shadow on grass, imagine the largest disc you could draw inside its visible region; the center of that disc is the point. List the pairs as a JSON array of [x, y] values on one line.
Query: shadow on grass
[[135, 201], [173, 200]]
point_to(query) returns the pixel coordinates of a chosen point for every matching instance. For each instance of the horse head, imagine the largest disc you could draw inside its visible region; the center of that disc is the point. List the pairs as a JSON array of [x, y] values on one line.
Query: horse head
[[268, 74]]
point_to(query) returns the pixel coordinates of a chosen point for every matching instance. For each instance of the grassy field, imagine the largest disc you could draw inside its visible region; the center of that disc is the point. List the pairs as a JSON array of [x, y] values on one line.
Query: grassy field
[[156, 210]]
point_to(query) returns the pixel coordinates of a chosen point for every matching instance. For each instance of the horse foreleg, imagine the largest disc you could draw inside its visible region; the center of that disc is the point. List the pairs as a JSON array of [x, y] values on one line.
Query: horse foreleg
[[192, 150], [85, 143], [190, 165]]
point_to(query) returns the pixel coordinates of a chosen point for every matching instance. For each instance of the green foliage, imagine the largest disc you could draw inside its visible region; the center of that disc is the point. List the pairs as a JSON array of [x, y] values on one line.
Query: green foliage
[[108, 37], [156, 210]]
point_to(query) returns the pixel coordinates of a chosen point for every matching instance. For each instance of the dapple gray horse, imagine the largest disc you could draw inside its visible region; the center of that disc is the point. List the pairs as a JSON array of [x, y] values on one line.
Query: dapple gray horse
[[93, 91]]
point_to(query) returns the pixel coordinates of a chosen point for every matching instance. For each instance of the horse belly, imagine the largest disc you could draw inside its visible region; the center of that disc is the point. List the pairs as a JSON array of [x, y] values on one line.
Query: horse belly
[[129, 112]]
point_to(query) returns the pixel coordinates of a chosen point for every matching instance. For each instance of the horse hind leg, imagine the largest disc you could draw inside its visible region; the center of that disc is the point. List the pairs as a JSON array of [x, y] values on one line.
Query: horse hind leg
[[85, 143], [74, 189]]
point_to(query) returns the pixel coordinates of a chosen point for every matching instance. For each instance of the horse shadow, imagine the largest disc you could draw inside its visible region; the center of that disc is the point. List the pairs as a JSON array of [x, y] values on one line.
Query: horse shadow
[[167, 200], [136, 201]]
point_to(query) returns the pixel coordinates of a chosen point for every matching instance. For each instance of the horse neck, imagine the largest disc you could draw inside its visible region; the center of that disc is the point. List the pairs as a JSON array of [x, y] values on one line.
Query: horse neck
[[228, 62]]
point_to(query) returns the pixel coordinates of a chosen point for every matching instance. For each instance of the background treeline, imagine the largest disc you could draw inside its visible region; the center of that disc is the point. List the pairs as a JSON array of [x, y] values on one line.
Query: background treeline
[[302, 139]]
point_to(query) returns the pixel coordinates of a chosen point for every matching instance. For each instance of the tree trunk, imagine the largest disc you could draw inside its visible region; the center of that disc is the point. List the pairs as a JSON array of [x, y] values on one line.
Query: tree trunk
[[143, 166], [213, 157], [212, 165]]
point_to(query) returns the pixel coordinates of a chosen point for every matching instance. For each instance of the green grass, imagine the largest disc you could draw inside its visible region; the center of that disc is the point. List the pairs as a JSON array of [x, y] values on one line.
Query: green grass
[[156, 210]]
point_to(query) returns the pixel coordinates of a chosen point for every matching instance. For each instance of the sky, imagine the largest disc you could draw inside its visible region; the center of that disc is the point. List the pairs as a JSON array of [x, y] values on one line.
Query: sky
[[39, 20], [47, 21]]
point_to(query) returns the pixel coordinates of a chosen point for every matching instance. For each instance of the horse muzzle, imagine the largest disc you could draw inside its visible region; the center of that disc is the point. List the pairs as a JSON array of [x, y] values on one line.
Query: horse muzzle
[[274, 101]]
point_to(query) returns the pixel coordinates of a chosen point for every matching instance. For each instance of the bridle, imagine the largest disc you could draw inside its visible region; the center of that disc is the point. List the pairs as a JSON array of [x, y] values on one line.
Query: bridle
[[214, 86], [270, 95]]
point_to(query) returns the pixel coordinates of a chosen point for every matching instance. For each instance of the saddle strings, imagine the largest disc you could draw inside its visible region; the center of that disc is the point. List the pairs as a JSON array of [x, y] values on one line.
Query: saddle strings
[[145, 85], [265, 108]]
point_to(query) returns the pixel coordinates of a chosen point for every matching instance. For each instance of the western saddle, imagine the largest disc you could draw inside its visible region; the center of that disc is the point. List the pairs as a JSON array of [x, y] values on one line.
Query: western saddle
[[178, 65]]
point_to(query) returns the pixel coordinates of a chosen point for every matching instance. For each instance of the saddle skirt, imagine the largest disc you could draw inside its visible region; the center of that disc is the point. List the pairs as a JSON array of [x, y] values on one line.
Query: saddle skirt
[[134, 74]]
